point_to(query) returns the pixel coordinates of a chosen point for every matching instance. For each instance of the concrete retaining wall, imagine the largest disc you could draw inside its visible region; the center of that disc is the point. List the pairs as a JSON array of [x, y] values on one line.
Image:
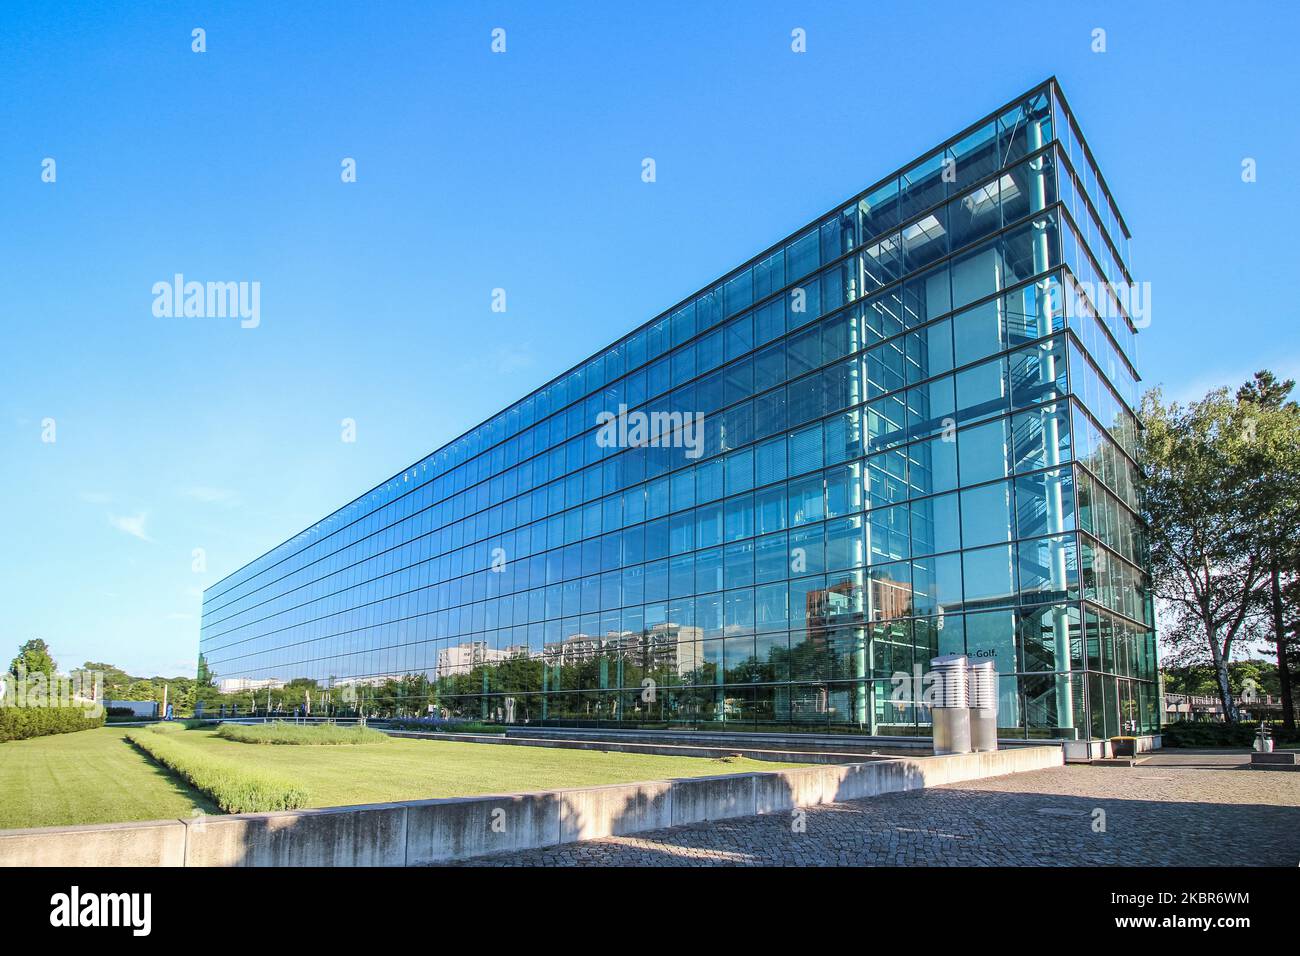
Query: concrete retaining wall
[[460, 827], [593, 812], [371, 835], [156, 843], [427, 832]]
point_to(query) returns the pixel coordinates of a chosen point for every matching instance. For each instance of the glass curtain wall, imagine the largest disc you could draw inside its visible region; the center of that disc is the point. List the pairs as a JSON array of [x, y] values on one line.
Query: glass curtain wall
[[907, 430]]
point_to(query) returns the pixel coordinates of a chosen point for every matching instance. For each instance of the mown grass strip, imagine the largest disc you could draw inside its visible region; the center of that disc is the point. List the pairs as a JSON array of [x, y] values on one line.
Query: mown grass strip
[[279, 732], [232, 787]]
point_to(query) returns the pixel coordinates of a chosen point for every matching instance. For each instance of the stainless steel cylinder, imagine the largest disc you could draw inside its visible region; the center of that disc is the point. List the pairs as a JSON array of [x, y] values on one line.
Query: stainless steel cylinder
[[982, 685], [952, 730], [982, 691], [983, 729], [950, 680]]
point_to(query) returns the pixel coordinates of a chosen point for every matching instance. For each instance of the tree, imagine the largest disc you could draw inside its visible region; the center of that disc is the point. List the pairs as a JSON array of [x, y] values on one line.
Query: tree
[[1274, 424], [1205, 568], [34, 657], [1265, 390], [1290, 644], [113, 680]]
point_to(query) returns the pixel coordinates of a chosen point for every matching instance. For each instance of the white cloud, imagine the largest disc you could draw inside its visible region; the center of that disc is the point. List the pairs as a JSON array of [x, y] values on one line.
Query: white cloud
[[212, 496], [130, 524]]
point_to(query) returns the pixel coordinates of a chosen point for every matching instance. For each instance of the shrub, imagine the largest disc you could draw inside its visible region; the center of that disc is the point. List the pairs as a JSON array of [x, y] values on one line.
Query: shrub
[[20, 723], [232, 787], [1190, 733], [120, 712], [279, 732]]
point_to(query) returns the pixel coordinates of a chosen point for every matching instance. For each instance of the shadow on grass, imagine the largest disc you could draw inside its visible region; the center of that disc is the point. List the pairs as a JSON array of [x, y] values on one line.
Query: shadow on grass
[[181, 787]]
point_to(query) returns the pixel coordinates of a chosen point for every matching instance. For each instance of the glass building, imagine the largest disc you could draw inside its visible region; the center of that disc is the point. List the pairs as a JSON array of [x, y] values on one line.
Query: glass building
[[906, 430]]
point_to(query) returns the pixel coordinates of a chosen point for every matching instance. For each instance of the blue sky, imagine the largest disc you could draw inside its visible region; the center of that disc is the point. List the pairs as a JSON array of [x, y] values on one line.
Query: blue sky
[[520, 171]]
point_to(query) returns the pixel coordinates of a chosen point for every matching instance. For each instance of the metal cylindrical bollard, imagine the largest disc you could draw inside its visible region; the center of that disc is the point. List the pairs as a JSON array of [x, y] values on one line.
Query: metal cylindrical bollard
[[982, 692], [952, 728]]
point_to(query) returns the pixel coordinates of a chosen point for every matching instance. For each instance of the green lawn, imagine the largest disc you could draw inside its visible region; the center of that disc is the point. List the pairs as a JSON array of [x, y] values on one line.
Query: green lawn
[[95, 776]]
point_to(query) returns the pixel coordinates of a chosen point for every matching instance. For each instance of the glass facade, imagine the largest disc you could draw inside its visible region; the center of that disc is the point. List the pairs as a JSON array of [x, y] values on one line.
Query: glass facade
[[905, 431]]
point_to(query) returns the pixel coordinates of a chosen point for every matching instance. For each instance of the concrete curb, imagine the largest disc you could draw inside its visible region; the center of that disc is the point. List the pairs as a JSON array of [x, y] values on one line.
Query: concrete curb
[[428, 832]]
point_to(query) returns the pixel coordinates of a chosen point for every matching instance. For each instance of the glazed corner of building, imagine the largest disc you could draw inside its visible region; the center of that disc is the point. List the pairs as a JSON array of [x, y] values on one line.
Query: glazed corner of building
[[1100, 677]]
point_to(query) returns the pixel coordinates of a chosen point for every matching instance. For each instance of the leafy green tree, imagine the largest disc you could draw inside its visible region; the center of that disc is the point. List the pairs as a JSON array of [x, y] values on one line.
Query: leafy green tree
[[1192, 679], [114, 680], [1274, 497], [1221, 474], [1205, 569], [34, 657]]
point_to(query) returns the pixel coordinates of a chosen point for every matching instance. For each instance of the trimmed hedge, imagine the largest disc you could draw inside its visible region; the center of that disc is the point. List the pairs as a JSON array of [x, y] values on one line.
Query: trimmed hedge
[[1193, 733], [279, 732], [21, 723], [231, 786]]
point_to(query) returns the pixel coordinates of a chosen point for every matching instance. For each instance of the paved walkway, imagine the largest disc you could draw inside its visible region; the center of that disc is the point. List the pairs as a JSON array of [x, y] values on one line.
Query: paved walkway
[[1195, 809]]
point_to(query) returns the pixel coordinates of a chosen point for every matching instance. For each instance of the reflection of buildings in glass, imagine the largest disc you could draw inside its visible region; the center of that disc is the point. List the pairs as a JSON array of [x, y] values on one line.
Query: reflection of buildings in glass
[[666, 646], [235, 685], [359, 681], [827, 606], [836, 629], [573, 649], [890, 599], [463, 658], [685, 656]]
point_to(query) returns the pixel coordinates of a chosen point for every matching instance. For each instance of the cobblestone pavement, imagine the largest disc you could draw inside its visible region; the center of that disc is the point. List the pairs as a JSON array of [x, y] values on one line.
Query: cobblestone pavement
[[1183, 809]]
